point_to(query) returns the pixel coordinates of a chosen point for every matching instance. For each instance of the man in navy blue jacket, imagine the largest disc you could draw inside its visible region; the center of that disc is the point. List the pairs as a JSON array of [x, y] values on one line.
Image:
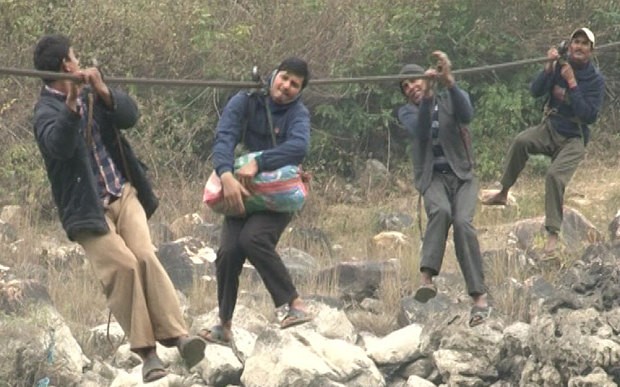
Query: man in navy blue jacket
[[575, 90], [278, 124]]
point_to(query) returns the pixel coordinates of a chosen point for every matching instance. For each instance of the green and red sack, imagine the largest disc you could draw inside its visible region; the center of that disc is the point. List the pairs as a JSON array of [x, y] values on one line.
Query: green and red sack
[[282, 190]]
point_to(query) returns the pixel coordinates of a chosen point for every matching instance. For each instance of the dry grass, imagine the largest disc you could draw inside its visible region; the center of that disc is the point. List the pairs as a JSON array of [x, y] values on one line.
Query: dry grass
[[77, 294]]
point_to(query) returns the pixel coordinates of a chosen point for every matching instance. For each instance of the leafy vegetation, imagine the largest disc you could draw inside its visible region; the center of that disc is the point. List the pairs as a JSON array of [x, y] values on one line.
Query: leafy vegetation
[[223, 39]]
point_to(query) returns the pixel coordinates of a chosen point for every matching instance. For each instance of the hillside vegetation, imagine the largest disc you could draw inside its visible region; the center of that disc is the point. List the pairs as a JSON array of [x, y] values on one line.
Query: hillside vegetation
[[216, 39], [340, 38]]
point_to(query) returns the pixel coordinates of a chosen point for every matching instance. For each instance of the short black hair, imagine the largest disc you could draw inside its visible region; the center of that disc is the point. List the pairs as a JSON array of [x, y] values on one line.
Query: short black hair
[[296, 66], [50, 52]]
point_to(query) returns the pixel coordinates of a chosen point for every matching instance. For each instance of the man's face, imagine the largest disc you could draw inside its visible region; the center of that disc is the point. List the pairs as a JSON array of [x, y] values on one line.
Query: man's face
[[285, 87], [414, 89], [71, 63], [580, 49]]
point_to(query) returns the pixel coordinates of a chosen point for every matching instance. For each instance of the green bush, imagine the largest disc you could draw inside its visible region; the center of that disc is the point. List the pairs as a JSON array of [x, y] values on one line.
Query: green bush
[[217, 39]]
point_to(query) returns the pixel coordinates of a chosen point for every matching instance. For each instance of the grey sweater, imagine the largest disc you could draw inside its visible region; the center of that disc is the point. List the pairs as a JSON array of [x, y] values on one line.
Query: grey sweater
[[455, 110]]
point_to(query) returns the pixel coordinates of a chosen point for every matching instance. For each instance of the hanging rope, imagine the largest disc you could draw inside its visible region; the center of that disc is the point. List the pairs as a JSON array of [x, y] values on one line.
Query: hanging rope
[[246, 85]]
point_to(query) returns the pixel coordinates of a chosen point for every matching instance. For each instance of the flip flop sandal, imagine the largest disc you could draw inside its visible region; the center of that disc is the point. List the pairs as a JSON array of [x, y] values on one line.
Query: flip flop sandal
[[192, 350], [549, 255], [492, 200], [479, 314], [215, 335], [153, 369], [294, 317], [425, 293]]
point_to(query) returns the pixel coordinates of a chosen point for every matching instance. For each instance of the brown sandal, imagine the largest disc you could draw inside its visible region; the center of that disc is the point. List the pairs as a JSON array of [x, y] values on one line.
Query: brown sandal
[[192, 350], [425, 293], [494, 199], [294, 317], [215, 335], [479, 314], [153, 369]]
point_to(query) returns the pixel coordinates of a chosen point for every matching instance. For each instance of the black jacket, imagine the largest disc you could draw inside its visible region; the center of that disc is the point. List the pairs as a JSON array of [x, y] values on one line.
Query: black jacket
[[57, 131]]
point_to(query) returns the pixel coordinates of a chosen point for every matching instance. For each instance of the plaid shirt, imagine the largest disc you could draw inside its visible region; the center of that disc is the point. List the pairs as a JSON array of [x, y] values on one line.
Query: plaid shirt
[[110, 180]]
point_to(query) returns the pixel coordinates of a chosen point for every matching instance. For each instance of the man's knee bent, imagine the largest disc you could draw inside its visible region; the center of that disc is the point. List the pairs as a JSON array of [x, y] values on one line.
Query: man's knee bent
[[125, 269], [522, 141], [250, 242], [145, 256], [554, 178], [228, 255]]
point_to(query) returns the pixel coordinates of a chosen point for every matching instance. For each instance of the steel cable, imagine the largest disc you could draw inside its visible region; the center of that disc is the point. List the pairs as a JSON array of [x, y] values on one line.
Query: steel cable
[[245, 85]]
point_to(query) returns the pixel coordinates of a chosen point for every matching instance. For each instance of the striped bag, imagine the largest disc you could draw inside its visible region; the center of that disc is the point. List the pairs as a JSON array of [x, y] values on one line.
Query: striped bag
[[282, 190]]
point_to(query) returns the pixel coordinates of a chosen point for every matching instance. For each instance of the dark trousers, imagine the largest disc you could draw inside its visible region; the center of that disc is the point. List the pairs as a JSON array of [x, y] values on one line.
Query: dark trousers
[[450, 201], [255, 238]]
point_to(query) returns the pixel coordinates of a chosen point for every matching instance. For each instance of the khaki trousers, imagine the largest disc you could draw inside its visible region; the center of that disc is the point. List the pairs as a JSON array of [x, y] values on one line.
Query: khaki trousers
[[138, 290], [566, 154]]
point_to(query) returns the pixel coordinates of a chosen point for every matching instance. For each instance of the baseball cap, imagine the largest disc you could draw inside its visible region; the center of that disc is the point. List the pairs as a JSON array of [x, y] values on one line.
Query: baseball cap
[[586, 32]]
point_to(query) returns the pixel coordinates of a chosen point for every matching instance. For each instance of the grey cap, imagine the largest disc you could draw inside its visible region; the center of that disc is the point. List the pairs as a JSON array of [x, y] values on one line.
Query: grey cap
[[412, 69]]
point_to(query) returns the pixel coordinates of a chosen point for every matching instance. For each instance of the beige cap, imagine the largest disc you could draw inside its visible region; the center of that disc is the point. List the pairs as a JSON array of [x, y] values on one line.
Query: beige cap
[[585, 31]]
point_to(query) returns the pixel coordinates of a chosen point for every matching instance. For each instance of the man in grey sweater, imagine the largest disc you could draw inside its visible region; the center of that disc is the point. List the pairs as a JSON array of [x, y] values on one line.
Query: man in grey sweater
[[443, 174]]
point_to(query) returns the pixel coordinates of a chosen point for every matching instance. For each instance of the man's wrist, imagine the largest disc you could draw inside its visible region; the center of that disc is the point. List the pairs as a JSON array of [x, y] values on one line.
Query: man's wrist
[[257, 160], [73, 107], [221, 173], [450, 82]]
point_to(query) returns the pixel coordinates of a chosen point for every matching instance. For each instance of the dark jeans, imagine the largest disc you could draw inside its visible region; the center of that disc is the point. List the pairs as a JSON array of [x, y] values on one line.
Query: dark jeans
[[255, 238]]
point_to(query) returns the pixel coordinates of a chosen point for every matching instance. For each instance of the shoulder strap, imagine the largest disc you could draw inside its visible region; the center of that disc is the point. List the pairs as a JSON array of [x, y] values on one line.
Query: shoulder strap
[[549, 111], [466, 138], [245, 119], [250, 110], [464, 134], [270, 122]]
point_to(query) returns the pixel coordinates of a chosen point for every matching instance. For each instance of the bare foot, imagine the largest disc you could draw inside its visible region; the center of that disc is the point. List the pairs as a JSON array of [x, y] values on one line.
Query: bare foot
[[298, 304], [500, 198], [480, 300], [552, 243]]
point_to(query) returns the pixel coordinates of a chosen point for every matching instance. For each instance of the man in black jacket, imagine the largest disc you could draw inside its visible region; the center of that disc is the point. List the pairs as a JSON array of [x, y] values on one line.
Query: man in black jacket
[[104, 199]]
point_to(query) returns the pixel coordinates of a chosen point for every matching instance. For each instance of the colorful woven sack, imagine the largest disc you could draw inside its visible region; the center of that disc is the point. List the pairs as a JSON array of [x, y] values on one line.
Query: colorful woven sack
[[282, 190]]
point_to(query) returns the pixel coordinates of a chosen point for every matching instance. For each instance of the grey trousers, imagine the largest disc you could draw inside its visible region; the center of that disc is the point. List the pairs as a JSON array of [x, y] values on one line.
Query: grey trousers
[[566, 154], [450, 201]]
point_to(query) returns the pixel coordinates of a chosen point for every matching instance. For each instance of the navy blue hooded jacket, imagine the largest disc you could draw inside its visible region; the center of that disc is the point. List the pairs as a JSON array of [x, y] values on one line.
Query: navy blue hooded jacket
[[580, 104], [291, 125]]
